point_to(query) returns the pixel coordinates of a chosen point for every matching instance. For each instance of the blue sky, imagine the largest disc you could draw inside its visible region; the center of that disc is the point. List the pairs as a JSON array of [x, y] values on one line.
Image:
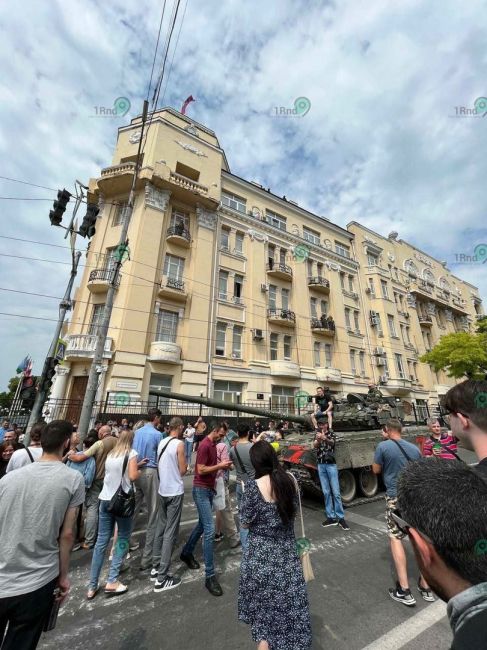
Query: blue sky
[[380, 144]]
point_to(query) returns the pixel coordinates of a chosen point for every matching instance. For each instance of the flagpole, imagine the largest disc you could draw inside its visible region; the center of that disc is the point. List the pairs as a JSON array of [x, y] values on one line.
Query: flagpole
[[16, 396]]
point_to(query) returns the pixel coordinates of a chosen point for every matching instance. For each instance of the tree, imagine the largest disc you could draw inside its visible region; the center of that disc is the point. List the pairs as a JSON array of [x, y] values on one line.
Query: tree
[[6, 398], [460, 354]]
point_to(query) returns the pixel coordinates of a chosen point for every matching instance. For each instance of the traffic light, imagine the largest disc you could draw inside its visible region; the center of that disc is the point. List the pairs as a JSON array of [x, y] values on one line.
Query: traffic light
[[59, 207], [28, 392], [48, 373], [87, 228]]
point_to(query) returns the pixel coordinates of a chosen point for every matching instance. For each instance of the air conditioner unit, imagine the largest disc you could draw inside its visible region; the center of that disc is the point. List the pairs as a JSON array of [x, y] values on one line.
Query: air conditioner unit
[[368, 290], [258, 335], [380, 361], [379, 351], [264, 288], [374, 318]]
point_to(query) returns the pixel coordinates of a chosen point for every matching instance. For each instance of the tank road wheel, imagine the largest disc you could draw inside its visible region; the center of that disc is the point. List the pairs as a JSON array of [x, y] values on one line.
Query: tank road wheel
[[348, 487], [368, 482]]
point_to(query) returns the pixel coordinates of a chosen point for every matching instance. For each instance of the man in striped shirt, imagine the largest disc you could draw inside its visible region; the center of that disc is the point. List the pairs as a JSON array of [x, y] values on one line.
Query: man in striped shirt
[[442, 445]]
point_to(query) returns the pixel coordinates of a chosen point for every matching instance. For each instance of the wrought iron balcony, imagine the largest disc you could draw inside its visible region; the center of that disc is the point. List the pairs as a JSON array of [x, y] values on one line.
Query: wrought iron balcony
[[178, 234], [280, 270], [173, 288], [100, 279], [323, 326], [425, 320], [319, 284], [282, 316]]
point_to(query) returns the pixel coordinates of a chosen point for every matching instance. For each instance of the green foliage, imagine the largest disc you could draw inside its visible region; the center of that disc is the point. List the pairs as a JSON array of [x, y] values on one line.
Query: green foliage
[[460, 354], [6, 398]]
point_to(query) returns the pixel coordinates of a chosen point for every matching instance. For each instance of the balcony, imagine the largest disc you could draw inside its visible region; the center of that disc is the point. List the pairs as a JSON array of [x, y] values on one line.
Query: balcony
[[284, 369], [165, 352], [319, 284], [398, 386], [426, 321], [178, 235], [329, 375], [99, 280], [116, 179], [281, 317], [279, 270], [82, 346], [323, 327], [188, 184], [173, 288]]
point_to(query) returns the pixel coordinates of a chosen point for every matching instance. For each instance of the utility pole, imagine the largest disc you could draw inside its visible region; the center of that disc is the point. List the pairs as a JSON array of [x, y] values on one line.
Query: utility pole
[[92, 387]]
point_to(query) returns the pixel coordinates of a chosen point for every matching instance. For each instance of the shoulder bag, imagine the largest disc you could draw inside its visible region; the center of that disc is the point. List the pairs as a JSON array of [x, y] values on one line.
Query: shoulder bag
[[122, 504], [402, 451], [162, 451], [302, 543]]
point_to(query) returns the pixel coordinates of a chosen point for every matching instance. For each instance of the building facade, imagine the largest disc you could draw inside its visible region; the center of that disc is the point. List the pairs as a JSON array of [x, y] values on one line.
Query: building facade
[[231, 291]]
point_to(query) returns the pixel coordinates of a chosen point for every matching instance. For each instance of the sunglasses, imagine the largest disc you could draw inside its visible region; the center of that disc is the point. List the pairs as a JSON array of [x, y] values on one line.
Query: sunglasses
[[404, 527]]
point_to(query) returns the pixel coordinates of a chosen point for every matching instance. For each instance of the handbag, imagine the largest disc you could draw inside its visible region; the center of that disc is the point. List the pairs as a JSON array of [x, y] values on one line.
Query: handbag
[[303, 544], [219, 499], [122, 504]]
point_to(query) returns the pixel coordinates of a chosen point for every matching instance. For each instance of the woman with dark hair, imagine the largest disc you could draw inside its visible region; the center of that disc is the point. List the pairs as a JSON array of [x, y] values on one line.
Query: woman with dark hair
[[271, 570], [7, 449]]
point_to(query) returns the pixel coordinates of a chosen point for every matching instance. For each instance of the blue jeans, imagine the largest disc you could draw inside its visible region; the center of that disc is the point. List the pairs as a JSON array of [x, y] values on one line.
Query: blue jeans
[[106, 524], [188, 449], [244, 532], [331, 489], [203, 498]]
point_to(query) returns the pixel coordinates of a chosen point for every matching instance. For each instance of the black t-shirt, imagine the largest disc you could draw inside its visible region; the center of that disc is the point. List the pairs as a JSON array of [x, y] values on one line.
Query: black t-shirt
[[323, 401], [482, 467]]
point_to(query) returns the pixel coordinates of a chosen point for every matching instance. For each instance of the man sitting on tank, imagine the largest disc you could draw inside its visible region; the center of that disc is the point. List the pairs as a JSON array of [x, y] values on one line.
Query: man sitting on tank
[[323, 402]]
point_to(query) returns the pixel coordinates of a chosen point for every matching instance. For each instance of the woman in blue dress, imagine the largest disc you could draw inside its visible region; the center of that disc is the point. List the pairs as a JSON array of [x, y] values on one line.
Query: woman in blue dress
[[272, 595]]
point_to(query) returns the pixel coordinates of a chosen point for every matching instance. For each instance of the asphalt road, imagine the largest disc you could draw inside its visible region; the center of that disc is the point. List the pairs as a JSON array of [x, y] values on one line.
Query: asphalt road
[[350, 606]]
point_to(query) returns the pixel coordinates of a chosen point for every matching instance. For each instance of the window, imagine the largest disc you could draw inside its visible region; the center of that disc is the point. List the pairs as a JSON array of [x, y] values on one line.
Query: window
[[96, 319], [222, 285], [272, 296], [118, 217], [225, 238], [283, 397], [384, 289], [221, 332], [361, 359], [239, 240], [406, 334], [342, 280], [234, 202], [174, 267], [386, 364], [328, 355], [275, 220], [316, 353], [415, 371], [274, 344], [372, 260], [356, 321], [319, 269], [237, 342], [312, 304], [379, 324], [271, 252], [155, 383], [342, 249], [309, 266], [311, 235], [347, 319], [427, 340], [371, 286], [167, 326], [111, 259], [350, 283], [282, 255], [179, 218], [399, 366], [391, 325], [227, 391], [237, 287], [285, 298], [287, 347], [324, 307], [352, 362]]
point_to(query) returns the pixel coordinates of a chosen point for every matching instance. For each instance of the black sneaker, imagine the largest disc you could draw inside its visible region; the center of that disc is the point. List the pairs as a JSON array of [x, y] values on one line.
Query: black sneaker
[[329, 522], [168, 583], [343, 524], [213, 586], [189, 561], [218, 537], [402, 596], [427, 594]]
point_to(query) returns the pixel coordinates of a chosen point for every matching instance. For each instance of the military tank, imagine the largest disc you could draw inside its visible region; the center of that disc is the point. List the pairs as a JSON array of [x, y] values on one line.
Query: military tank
[[357, 421]]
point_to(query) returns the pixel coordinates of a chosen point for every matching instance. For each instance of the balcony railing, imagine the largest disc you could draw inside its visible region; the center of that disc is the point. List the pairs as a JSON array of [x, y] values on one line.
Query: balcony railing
[[282, 314], [425, 320], [173, 283], [318, 282], [179, 231], [123, 168], [84, 345], [323, 324], [188, 183], [103, 275], [280, 269]]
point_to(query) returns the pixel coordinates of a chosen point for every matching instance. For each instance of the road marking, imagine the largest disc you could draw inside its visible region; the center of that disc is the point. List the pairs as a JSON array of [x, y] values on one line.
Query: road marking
[[368, 522], [402, 634]]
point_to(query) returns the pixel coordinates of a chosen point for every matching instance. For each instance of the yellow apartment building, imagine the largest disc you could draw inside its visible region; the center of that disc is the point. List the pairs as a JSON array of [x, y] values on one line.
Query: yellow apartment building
[[232, 291]]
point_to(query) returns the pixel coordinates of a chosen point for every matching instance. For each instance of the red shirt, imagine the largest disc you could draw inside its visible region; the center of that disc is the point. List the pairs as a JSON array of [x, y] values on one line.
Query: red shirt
[[448, 444], [206, 455]]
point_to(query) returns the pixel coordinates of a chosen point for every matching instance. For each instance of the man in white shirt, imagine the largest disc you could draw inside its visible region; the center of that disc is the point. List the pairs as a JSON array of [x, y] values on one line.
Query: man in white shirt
[[171, 467], [188, 436], [29, 454]]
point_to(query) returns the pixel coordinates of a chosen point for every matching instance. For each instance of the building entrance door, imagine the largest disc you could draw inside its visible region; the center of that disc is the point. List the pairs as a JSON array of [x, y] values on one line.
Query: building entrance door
[[76, 396]]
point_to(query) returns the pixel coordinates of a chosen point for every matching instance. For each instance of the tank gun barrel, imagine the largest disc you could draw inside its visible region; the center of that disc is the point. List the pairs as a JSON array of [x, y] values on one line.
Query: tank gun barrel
[[230, 406]]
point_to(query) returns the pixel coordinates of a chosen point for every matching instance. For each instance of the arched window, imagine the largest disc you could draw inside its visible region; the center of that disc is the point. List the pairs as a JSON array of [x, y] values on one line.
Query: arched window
[[444, 284], [411, 268], [429, 277]]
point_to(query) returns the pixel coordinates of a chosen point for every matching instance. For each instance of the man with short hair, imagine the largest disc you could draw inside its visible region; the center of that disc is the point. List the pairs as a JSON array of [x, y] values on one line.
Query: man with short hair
[[374, 395], [324, 444], [171, 461], [467, 405], [5, 427], [443, 445], [240, 457], [391, 457], [323, 406], [29, 454], [38, 506], [146, 442], [203, 493], [449, 538], [99, 451]]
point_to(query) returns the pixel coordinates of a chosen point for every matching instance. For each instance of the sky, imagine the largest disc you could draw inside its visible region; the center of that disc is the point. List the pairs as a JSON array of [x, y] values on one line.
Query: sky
[[383, 143]]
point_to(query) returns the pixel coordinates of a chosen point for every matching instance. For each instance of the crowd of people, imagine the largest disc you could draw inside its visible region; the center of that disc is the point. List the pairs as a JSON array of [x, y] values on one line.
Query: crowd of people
[[88, 493]]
